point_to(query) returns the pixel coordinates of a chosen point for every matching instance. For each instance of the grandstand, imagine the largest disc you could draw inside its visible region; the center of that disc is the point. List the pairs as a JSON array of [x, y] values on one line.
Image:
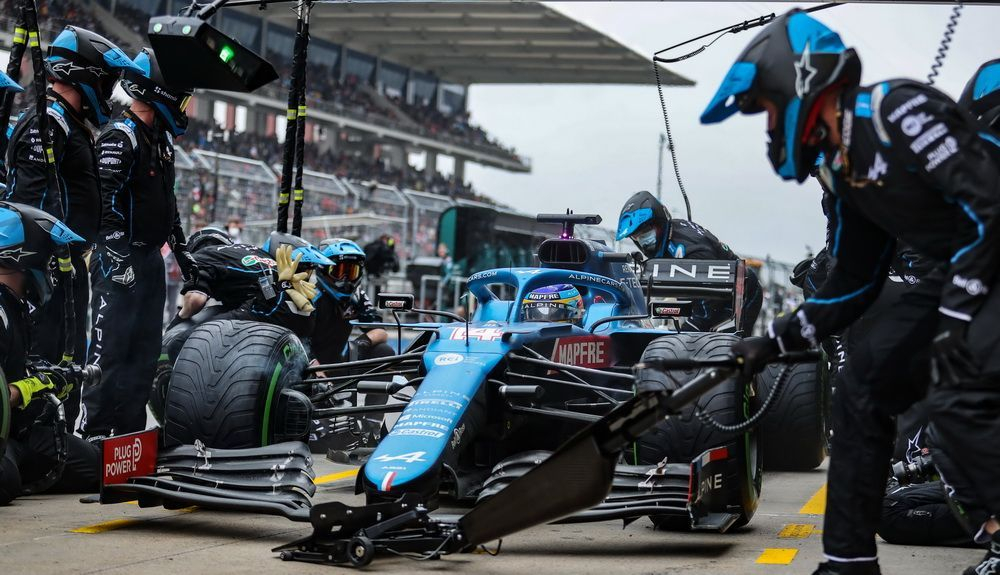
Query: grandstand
[[387, 83]]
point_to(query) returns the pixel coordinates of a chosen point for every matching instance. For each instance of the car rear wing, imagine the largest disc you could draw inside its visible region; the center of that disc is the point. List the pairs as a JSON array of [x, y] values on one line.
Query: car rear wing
[[684, 279]]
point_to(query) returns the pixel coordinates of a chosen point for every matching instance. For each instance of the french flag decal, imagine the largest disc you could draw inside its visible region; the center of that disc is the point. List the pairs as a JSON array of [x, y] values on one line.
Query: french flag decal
[[387, 481]]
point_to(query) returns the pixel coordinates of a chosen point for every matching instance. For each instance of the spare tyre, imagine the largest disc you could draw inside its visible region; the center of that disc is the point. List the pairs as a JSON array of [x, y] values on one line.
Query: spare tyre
[[684, 437], [231, 386], [793, 432]]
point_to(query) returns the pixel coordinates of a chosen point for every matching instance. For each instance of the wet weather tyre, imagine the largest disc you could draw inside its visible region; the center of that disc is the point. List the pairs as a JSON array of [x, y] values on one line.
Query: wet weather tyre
[[684, 437], [793, 433], [226, 383]]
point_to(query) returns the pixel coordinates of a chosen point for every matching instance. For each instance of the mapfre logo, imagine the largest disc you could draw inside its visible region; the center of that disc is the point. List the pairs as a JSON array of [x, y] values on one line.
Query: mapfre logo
[[583, 351]]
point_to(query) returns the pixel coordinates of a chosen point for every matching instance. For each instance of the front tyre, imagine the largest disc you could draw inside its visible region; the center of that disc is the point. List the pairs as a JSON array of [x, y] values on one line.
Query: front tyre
[[227, 386], [684, 437]]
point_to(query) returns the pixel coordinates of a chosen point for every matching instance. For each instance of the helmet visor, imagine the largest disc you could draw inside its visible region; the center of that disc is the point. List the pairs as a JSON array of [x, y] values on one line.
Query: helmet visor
[[549, 311]]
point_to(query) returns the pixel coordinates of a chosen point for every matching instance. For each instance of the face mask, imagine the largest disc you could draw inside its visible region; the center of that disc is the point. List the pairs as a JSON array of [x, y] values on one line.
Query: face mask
[[234, 231], [645, 239]]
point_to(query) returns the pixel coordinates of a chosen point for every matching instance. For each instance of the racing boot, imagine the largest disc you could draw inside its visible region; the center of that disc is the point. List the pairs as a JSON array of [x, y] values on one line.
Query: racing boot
[[990, 565], [848, 568]]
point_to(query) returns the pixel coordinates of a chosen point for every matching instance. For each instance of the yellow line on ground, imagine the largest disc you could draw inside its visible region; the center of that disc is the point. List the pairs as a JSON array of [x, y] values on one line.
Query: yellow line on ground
[[816, 504], [777, 556], [330, 478], [118, 523], [796, 531], [105, 526]]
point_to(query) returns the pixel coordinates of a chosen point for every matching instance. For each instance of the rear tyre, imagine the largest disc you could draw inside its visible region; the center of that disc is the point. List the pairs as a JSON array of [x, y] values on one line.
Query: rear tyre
[[227, 382], [682, 438], [793, 434]]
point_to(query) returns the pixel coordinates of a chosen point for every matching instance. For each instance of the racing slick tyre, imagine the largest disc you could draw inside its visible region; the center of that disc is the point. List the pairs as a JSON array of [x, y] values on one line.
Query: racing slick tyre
[[793, 433], [230, 387], [684, 438]]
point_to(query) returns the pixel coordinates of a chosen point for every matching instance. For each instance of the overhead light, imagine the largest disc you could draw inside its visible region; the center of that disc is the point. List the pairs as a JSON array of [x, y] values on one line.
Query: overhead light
[[194, 54]]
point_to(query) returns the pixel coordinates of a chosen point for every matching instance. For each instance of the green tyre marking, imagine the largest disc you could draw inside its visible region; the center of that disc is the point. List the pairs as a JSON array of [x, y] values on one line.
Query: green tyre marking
[[265, 429]]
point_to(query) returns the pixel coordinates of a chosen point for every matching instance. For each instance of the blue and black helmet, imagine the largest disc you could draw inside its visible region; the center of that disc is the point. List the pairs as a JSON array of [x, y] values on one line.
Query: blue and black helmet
[[310, 255], [90, 63], [150, 87], [556, 303], [29, 237], [790, 64], [341, 278], [207, 237], [982, 94], [7, 84], [646, 220]]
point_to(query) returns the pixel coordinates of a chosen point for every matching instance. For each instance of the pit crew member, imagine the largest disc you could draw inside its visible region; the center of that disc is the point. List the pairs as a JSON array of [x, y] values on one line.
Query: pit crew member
[[906, 162]]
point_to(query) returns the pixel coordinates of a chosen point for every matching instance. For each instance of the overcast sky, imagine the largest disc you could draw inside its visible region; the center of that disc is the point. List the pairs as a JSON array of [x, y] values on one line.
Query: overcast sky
[[593, 146]]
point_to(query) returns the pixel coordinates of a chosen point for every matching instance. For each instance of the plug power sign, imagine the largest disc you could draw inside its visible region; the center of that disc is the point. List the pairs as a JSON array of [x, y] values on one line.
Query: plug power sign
[[128, 456]]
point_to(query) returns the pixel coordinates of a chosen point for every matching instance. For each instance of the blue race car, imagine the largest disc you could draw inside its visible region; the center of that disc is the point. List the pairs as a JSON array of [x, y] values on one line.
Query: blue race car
[[494, 396]]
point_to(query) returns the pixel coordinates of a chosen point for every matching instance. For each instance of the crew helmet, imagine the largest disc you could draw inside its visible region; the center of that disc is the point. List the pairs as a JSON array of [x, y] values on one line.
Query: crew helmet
[[90, 63], [982, 94], [207, 237], [791, 63], [7, 84], [310, 255], [341, 278], [646, 220], [29, 237], [150, 87], [556, 303]]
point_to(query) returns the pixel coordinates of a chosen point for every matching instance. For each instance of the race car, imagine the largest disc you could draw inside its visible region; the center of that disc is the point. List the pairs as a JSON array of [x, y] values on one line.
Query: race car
[[493, 395]]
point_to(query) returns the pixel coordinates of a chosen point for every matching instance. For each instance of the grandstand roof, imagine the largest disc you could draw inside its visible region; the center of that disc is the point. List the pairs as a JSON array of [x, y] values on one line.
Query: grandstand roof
[[481, 43]]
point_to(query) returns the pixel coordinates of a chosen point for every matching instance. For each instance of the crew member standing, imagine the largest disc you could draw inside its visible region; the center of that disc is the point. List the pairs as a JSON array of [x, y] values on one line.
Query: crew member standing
[[903, 162], [139, 214], [83, 68]]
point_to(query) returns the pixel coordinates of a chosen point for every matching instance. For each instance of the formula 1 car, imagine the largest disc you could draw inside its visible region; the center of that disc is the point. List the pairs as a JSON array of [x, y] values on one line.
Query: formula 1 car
[[494, 395]]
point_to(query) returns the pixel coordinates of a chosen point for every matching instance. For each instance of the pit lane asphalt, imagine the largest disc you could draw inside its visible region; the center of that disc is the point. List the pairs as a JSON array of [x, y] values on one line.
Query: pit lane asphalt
[[37, 537]]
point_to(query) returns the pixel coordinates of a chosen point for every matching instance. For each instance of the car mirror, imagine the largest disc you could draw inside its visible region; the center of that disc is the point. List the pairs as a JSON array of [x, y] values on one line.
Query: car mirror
[[395, 301]]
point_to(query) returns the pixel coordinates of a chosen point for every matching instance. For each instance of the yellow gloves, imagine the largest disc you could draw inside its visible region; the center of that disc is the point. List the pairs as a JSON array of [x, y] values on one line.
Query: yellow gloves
[[298, 289], [31, 386]]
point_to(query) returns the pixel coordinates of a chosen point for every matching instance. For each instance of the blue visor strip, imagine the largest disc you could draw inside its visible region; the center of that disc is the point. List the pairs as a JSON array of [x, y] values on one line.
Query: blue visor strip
[[788, 169], [990, 138], [738, 80], [630, 221]]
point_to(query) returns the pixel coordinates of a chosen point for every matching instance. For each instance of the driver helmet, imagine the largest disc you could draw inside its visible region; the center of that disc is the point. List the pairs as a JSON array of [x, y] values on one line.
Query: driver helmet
[[311, 257], [29, 237], [90, 63], [555, 303], [791, 63], [647, 221], [148, 85], [982, 94], [342, 277], [208, 237]]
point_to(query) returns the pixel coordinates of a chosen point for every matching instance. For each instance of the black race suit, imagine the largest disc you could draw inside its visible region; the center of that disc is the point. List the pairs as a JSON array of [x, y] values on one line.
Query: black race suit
[[139, 214], [914, 167], [244, 280], [27, 183], [692, 241], [31, 451], [333, 328]]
